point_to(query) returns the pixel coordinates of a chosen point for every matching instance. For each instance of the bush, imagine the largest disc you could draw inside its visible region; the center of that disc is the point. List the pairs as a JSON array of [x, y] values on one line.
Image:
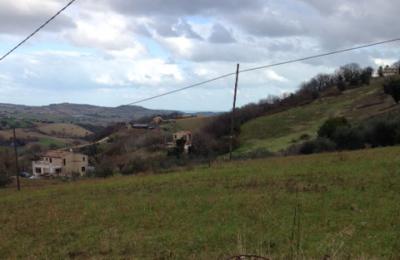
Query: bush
[[4, 179], [383, 132], [328, 128], [255, 154], [103, 171], [392, 88], [136, 165], [317, 146], [348, 138]]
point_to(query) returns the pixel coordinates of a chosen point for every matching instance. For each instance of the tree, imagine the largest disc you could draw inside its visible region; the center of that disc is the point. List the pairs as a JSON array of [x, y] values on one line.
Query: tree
[[392, 88], [366, 75], [6, 167], [341, 85], [351, 73], [380, 71]]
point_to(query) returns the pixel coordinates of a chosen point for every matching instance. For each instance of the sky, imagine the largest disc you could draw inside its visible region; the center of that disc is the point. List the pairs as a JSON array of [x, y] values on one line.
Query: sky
[[114, 52]]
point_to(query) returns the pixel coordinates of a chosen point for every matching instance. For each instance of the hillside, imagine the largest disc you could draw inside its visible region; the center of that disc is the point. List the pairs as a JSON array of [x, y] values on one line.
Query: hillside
[[278, 131], [348, 209], [64, 130], [77, 113]]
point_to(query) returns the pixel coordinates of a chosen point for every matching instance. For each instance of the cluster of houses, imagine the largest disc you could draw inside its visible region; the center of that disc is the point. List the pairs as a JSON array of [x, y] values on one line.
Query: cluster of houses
[[61, 163]]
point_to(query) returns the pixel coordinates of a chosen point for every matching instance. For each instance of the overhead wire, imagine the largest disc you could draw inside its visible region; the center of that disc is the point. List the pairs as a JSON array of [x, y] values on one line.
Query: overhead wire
[[37, 30], [265, 67]]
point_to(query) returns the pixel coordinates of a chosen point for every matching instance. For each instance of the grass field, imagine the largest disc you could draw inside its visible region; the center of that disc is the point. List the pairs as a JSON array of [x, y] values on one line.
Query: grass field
[[348, 208], [191, 124], [278, 131], [63, 130]]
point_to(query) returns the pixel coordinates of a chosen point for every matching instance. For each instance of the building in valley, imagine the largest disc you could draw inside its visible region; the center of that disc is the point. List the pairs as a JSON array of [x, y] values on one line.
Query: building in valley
[[60, 164]]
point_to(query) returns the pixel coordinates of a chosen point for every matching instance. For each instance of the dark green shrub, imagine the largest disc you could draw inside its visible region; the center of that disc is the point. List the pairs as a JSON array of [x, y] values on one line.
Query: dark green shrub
[[103, 171], [392, 88], [136, 165], [255, 154], [328, 128], [348, 138], [4, 179], [383, 132], [318, 145]]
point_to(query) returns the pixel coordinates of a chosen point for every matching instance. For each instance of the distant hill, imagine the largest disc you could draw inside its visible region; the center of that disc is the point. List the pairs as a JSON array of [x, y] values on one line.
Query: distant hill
[[77, 113]]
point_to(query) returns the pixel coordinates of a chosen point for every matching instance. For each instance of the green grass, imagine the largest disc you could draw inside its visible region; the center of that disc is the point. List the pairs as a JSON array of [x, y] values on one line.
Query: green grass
[[47, 142], [278, 131], [349, 209]]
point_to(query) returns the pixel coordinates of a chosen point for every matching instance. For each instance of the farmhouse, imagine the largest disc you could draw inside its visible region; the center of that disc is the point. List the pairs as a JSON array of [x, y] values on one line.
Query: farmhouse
[[390, 71], [186, 136], [60, 163]]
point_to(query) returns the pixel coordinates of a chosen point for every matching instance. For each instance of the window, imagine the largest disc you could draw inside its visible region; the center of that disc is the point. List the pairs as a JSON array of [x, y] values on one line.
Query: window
[[84, 158], [58, 171], [38, 170], [51, 160], [64, 162], [83, 169]]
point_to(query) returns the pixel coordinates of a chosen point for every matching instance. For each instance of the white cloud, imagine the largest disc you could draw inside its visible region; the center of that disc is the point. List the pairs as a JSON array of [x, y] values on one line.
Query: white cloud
[[106, 31], [272, 75], [384, 62], [131, 49]]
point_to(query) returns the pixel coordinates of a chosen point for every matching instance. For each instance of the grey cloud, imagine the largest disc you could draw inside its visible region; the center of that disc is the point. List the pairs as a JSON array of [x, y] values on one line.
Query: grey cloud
[[173, 27], [185, 29], [266, 24], [164, 26], [221, 35], [206, 52], [14, 21], [183, 8], [343, 23]]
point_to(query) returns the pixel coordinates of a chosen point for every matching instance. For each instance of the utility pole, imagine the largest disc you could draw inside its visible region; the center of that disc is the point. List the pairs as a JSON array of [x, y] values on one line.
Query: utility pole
[[16, 159], [233, 113]]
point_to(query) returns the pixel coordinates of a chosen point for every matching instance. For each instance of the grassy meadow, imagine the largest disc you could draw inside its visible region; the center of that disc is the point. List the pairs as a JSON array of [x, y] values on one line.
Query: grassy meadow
[[347, 206]]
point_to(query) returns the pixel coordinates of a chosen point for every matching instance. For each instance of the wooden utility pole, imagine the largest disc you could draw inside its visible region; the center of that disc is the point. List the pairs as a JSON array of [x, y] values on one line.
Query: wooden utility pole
[[233, 113], [16, 159]]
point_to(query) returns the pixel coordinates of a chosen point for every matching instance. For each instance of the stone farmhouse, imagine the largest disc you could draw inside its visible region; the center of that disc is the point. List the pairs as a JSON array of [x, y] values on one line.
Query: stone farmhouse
[[60, 164], [186, 136], [390, 71]]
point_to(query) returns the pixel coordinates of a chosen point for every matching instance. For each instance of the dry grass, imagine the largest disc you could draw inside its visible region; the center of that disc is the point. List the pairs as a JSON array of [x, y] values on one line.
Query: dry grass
[[63, 130]]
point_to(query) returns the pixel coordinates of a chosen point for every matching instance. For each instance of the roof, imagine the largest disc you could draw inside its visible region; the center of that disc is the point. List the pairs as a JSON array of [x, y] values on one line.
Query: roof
[[57, 154], [183, 132]]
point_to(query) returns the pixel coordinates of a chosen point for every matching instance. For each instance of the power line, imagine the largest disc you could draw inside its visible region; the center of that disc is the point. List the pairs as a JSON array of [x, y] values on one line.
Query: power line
[[37, 30], [266, 66], [321, 55], [181, 89]]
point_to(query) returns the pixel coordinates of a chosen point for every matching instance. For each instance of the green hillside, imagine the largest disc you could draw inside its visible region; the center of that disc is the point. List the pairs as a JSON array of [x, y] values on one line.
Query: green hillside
[[279, 131], [348, 209]]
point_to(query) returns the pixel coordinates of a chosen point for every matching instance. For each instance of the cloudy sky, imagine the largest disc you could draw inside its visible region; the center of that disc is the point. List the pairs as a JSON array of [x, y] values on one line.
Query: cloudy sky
[[113, 52]]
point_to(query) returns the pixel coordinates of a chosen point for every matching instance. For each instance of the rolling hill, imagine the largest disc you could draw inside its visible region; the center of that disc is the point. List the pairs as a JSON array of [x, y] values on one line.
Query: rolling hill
[[278, 131], [77, 113]]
